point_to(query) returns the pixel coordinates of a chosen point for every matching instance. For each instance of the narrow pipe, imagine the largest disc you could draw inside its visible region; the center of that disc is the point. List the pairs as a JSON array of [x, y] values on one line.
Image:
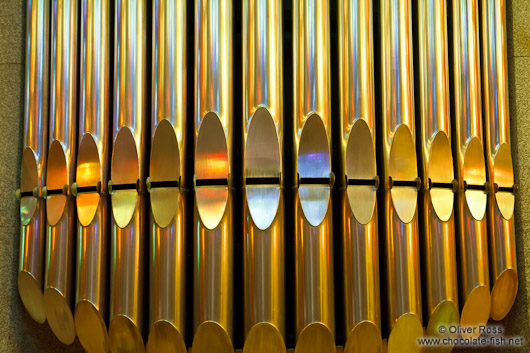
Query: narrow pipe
[[91, 310], [213, 242], [127, 179], [501, 201], [62, 154], [359, 213], [470, 169], [315, 309], [439, 248], [33, 172], [167, 265], [400, 173]]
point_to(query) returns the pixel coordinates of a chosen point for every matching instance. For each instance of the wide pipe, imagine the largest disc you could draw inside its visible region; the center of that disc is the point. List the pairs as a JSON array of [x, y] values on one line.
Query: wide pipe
[[167, 263], [315, 308], [213, 126], [60, 204], [263, 243], [400, 178], [439, 248], [130, 132], [358, 178], [92, 176], [33, 172], [501, 201], [471, 221]]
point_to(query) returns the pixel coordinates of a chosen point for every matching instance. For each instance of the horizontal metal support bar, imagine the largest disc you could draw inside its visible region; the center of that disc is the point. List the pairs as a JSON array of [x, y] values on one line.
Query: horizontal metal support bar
[[211, 182], [128, 186], [262, 181]]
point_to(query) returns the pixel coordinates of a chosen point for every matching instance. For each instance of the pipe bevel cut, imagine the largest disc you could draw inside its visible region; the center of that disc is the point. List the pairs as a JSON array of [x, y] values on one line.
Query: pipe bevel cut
[[315, 337], [164, 337], [264, 337], [56, 178], [31, 295], [263, 203], [90, 327], [211, 338], [59, 315], [88, 173], [476, 311], [503, 177], [124, 336], [503, 294], [28, 182], [365, 337], [475, 174], [445, 315], [28, 205], [405, 334], [441, 171]]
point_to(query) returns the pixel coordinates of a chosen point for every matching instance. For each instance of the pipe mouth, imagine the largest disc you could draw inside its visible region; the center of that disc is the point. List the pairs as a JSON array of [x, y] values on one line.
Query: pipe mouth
[[56, 179], [124, 336], [405, 334], [164, 337], [263, 203], [264, 337], [503, 177], [29, 181], [365, 337], [475, 174], [211, 337], [445, 315], [90, 327], [31, 295], [88, 174], [476, 312], [503, 294], [315, 337], [441, 172], [59, 315]]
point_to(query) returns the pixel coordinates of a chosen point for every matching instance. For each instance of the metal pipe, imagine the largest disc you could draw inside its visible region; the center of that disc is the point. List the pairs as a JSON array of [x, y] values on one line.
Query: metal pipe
[[167, 302], [213, 242], [400, 179], [315, 309], [92, 176], [437, 171], [127, 180], [501, 201], [60, 175], [33, 172], [470, 169], [359, 179]]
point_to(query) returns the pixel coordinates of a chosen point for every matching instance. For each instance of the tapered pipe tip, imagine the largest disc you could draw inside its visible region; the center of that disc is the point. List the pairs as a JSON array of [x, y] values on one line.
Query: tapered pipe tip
[[405, 334], [211, 338], [315, 337], [444, 316], [476, 312], [264, 338], [59, 315], [124, 336], [164, 337], [503, 294], [91, 328], [364, 338], [31, 296]]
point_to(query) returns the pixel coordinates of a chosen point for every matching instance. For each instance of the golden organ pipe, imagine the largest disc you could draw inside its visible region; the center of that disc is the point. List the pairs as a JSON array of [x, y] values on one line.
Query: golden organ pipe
[[212, 236], [167, 265], [359, 224], [33, 172], [501, 200], [470, 169], [400, 179], [264, 250], [315, 311]]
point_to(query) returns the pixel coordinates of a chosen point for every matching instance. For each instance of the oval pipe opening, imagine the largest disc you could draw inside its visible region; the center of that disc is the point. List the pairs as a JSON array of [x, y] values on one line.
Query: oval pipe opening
[[475, 174], [56, 179], [28, 183], [88, 173], [441, 171], [503, 177]]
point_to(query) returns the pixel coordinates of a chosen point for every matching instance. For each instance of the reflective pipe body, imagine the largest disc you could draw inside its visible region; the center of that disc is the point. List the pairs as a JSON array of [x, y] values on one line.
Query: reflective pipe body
[[315, 309], [437, 169], [127, 179], [501, 201], [359, 216], [264, 239], [33, 172], [212, 233], [92, 176], [470, 168], [400, 177], [60, 206], [167, 265]]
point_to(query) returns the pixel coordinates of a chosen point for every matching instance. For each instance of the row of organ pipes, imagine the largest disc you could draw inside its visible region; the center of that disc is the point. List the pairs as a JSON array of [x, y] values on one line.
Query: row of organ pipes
[[99, 263]]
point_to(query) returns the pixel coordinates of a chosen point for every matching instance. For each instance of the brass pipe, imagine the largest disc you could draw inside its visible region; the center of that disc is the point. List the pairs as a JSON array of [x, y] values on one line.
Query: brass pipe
[[92, 176], [167, 271], [501, 201], [315, 309], [400, 179], [437, 173], [60, 175], [127, 178], [470, 169], [359, 216], [213, 242], [33, 172]]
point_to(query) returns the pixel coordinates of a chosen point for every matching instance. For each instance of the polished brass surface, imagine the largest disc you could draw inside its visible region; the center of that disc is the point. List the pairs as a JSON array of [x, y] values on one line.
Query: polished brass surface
[[470, 166], [501, 203]]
